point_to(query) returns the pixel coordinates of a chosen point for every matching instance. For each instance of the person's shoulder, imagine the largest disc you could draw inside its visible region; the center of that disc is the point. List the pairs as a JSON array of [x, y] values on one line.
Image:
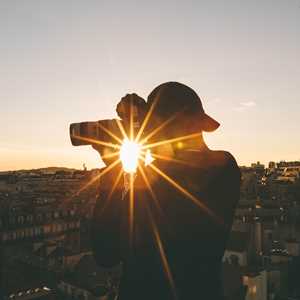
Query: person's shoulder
[[224, 160], [226, 157]]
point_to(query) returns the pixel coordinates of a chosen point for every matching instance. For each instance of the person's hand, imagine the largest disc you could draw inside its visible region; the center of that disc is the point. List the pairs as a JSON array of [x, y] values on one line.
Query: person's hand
[[131, 103]]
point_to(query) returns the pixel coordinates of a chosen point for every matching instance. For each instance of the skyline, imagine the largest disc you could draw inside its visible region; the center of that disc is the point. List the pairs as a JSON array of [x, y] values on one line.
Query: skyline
[[62, 64]]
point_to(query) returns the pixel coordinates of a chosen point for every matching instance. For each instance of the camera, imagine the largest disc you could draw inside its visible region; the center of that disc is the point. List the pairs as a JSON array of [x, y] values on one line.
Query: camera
[[100, 134]]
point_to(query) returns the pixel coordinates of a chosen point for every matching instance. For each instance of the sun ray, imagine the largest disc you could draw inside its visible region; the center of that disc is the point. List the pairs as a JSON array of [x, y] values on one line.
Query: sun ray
[[150, 189], [110, 133], [121, 127], [115, 183], [131, 208], [97, 142], [147, 118], [131, 112], [171, 159], [162, 254], [173, 140], [194, 199], [112, 190], [110, 155], [142, 156], [159, 128], [91, 182], [106, 170]]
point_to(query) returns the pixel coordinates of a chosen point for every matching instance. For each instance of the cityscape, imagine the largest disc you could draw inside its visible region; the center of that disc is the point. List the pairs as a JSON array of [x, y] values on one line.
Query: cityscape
[[46, 249], [191, 111]]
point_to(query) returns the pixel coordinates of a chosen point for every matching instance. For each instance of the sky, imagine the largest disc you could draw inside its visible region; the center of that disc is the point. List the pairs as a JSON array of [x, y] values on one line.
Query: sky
[[70, 61]]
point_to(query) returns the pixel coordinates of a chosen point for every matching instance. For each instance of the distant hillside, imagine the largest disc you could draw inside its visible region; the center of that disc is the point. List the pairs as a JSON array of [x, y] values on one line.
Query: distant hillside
[[54, 169], [49, 169]]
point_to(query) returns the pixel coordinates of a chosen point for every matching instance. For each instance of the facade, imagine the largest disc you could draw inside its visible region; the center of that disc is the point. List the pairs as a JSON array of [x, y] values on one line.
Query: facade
[[37, 226], [237, 249], [256, 283], [41, 227]]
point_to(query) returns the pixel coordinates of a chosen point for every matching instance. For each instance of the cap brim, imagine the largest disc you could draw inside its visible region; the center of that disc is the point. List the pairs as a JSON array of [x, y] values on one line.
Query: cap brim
[[208, 124]]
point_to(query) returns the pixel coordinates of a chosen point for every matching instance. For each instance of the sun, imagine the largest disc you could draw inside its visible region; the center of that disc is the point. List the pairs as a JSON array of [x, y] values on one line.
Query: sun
[[130, 153]]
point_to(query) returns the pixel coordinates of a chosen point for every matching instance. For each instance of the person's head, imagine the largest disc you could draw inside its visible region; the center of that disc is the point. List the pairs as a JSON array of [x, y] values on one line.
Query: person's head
[[181, 105]]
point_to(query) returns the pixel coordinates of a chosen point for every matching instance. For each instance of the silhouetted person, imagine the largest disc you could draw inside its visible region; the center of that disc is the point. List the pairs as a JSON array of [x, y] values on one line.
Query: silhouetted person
[[174, 246]]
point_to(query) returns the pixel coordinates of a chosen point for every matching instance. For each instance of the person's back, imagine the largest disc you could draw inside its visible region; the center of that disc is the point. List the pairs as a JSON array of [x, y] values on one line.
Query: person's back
[[172, 246], [192, 228]]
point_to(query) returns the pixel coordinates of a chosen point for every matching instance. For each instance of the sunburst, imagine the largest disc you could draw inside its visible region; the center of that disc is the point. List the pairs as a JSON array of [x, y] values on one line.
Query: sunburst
[[134, 153]]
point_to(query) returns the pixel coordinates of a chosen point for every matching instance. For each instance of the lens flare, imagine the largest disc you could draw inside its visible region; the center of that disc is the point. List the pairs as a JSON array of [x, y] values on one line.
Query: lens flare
[[148, 158], [129, 155], [133, 150]]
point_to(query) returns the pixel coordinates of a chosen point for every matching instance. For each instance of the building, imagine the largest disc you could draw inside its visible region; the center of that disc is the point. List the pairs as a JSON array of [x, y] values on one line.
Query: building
[[38, 293], [90, 282], [258, 167], [256, 282], [237, 249], [233, 286], [32, 227]]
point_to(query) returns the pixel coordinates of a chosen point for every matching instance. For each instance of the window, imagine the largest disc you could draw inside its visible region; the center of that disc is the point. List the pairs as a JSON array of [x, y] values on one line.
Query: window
[[20, 219], [4, 237], [39, 217], [29, 218], [252, 289]]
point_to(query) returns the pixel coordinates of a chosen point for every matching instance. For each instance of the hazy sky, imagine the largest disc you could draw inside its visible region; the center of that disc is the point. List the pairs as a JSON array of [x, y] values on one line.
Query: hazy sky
[[69, 61]]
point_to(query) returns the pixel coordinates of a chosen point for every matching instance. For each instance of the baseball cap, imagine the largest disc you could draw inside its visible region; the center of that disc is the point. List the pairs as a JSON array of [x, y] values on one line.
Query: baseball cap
[[171, 98]]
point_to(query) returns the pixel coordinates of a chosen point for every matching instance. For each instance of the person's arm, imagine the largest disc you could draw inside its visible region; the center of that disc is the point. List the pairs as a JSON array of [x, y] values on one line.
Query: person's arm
[[228, 190]]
